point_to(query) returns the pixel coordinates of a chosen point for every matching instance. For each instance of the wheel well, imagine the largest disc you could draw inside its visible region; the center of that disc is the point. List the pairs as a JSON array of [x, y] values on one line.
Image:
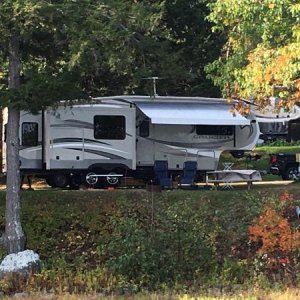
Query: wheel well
[[291, 165], [108, 167]]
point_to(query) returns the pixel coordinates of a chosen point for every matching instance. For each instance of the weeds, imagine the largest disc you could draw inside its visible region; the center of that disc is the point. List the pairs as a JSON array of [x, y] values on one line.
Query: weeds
[[126, 242]]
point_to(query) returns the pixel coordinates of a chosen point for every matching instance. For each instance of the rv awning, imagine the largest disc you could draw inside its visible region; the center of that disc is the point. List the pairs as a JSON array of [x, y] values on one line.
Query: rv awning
[[191, 113]]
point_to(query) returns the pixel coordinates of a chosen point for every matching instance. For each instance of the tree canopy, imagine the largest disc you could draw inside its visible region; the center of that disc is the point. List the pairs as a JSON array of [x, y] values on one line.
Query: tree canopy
[[261, 57], [44, 75], [72, 49], [55, 50]]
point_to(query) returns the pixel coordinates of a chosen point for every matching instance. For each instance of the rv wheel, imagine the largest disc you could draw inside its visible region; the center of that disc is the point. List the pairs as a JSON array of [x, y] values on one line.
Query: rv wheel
[[60, 180], [50, 181], [292, 174], [90, 179], [237, 153], [74, 181], [111, 179]]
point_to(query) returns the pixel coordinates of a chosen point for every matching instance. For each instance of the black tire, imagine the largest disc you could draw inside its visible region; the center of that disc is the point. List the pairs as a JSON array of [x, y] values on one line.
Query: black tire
[[112, 180], [60, 180], [89, 180], [93, 182], [292, 174], [74, 181], [237, 153], [50, 181]]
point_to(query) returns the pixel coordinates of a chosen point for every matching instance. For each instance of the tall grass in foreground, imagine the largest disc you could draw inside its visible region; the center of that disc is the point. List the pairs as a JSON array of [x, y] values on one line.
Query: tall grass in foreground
[[289, 294], [187, 242]]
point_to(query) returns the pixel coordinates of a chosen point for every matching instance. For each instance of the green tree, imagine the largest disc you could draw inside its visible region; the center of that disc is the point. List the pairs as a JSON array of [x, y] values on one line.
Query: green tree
[[65, 49], [192, 39], [261, 56], [121, 42], [124, 41], [32, 75]]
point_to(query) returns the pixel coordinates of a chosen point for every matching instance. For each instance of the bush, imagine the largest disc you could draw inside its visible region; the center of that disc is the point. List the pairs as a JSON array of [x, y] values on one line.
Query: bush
[[161, 248], [275, 236], [134, 240]]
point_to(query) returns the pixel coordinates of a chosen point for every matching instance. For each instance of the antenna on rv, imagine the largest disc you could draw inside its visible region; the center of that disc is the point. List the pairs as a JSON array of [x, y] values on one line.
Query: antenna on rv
[[154, 84]]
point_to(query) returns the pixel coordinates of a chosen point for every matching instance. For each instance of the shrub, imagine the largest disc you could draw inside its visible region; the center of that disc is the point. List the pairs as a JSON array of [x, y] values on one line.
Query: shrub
[[170, 247], [275, 239]]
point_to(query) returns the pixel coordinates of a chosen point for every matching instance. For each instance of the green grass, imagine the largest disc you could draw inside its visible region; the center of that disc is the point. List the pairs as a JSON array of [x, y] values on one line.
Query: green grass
[[129, 241], [278, 149]]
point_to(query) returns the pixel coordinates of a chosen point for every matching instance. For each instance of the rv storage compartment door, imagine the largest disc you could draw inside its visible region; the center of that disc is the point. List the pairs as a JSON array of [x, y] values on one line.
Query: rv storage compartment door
[[64, 140]]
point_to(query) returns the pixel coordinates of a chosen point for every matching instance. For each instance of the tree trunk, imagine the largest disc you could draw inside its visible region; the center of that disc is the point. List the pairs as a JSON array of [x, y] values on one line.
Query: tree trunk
[[14, 238]]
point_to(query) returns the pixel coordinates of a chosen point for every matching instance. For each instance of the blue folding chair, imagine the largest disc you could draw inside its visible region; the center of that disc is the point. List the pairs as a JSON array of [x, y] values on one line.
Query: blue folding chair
[[189, 173], [161, 173]]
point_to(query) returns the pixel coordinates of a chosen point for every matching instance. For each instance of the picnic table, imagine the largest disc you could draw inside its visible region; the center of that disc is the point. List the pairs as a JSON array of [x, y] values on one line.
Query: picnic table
[[227, 177]]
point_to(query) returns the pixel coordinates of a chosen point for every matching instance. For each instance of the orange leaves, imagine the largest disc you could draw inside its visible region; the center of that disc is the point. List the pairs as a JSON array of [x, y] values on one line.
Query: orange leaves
[[257, 77], [272, 72], [241, 108], [282, 64], [286, 196], [297, 84], [269, 68], [262, 51], [274, 232], [271, 5]]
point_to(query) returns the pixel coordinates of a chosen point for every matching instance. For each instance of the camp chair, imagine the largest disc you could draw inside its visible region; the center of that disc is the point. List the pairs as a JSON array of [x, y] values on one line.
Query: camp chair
[[161, 173], [189, 173]]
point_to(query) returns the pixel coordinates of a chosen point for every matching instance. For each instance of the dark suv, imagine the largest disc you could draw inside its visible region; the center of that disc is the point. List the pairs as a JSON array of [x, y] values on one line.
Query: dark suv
[[286, 165]]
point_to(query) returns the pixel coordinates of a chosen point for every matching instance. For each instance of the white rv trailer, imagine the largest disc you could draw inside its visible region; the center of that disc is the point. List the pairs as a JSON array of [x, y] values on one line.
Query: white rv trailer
[[273, 114], [274, 122], [125, 135]]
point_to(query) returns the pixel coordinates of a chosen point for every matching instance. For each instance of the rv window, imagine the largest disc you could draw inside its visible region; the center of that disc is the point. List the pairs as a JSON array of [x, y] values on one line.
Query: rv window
[[214, 129], [144, 128], [109, 127], [29, 134]]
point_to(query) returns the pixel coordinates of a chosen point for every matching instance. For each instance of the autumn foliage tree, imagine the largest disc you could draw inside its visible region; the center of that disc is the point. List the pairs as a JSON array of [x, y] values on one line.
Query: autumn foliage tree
[[261, 57]]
